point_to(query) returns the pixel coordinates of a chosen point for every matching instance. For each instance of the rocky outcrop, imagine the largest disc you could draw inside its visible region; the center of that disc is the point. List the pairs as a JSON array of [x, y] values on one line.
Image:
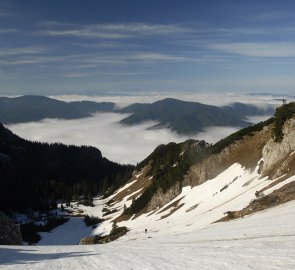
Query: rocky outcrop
[[116, 233], [275, 152], [159, 199], [9, 232], [247, 152]]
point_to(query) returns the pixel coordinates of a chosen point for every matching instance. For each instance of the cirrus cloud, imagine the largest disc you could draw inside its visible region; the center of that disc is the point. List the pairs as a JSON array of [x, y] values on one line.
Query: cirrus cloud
[[257, 49]]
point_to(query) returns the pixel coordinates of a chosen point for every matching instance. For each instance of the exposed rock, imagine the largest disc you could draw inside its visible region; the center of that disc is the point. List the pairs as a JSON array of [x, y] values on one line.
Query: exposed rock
[[256, 148], [247, 152], [89, 240], [275, 152], [112, 237], [159, 199], [116, 233], [9, 232]]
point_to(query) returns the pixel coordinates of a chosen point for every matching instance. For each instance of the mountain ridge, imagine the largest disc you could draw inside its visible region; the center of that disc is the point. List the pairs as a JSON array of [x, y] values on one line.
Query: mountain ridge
[[34, 108], [190, 117], [183, 117]]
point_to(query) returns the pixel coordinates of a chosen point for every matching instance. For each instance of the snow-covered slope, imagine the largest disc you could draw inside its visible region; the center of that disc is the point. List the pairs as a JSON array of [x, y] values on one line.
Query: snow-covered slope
[[259, 241], [195, 208]]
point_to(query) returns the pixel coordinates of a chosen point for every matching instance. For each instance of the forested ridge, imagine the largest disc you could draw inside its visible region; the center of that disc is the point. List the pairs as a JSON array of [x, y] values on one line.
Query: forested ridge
[[34, 175]]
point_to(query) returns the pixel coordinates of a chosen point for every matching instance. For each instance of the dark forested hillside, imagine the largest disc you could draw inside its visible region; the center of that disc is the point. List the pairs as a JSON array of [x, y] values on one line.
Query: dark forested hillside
[[169, 163], [33, 174], [34, 108]]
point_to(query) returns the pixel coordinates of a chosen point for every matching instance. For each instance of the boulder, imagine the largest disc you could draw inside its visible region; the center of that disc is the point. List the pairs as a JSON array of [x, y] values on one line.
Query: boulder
[[9, 232]]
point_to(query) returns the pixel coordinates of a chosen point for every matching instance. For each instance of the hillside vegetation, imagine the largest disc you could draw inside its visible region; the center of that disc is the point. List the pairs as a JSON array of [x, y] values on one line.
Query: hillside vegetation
[[282, 114], [36, 174], [169, 165]]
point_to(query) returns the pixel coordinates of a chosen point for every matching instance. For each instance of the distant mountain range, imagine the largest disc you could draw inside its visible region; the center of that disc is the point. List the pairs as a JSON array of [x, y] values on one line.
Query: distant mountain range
[[181, 116], [35, 108], [191, 117]]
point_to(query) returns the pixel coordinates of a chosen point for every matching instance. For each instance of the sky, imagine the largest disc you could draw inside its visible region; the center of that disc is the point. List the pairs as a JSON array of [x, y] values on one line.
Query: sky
[[102, 47]]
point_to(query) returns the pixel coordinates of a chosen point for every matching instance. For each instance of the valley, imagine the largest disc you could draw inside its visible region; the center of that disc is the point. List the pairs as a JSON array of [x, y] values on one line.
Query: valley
[[147, 135], [201, 202]]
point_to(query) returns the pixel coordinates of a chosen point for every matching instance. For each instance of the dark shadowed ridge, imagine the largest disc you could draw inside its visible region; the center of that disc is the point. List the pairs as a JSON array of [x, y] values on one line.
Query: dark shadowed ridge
[[184, 117], [33, 174], [35, 108], [191, 117]]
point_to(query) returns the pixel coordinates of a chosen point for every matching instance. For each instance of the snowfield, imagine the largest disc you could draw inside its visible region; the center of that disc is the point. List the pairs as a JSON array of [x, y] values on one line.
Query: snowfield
[[196, 208], [264, 240], [69, 233], [180, 235]]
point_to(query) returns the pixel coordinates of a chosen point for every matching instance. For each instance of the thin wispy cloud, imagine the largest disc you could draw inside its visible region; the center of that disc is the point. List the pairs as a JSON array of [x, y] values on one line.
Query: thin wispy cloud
[[187, 47], [258, 49], [21, 50], [89, 60], [78, 75], [84, 33], [271, 16], [8, 30], [114, 31]]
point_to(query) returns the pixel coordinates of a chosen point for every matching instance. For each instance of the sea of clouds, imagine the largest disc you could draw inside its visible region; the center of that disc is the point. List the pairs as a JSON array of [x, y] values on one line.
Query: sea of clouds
[[117, 143], [217, 99], [130, 144]]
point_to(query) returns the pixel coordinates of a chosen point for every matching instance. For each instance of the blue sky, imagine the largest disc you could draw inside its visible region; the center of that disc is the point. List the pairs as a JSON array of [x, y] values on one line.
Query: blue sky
[[90, 47]]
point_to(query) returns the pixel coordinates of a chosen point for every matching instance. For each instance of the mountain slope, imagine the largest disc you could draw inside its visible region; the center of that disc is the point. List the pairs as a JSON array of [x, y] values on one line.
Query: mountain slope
[[259, 241], [221, 180], [35, 108], [190, 117]]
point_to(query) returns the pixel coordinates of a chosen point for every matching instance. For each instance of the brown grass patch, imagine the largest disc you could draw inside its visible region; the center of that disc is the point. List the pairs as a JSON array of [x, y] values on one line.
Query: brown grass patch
[[246, 152], [122, 217], [142, 182], [249, 150]]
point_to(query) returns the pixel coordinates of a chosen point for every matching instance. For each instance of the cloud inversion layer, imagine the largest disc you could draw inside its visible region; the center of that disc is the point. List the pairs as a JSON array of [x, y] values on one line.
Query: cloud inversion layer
[[117, 143]]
